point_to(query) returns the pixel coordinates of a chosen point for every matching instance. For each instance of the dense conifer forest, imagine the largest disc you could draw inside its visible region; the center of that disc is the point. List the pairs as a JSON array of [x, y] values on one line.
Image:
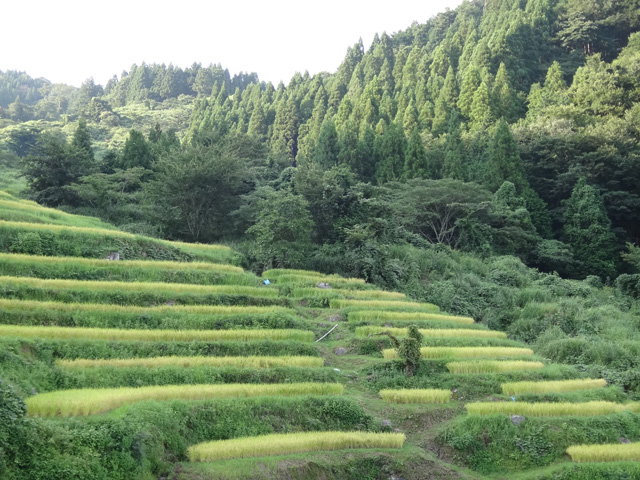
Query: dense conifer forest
[[486, 161]]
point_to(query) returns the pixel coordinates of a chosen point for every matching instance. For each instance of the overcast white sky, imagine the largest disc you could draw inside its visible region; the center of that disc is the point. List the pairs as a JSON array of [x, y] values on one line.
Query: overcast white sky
[[68, 41]]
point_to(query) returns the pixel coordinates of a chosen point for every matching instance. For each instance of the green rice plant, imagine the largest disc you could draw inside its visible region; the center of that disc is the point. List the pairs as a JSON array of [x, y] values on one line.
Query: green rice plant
[[550, 409], [416, 395], [78, 268], [464, 352], [47, 227], [341, 293], [380, 316], [88, 401], [365, 331], [12, 209], [154, 335], [398, 306], [311, 281], [518, 388], [287, 443], [276, 273], [196, 361], [615, 452], [492, 366]]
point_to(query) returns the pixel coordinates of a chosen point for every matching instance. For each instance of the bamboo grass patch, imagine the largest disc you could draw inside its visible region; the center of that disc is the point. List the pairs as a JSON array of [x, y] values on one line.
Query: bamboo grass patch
[[416, 395], [551, 409], [365, 331], [518, 388], [383, 305], [124, 264], [366, 316], [464, 352], [615, 452], [89, 401], [154, 335], [283, 444], [196, 361], [492, 366]]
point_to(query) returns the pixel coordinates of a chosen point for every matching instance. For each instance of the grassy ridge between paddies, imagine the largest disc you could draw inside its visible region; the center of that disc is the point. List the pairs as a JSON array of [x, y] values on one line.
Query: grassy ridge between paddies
[[20, 331], [416, 395], [90, 242], [493, 366], [605, 453], [180, 317], [135, 293], [196, 361], [344, 293], [430, 332], [464, 352], [287, 443], [551, 409], [396, 306], [90, 401], [519, 388], [78, 268], [404, 318]]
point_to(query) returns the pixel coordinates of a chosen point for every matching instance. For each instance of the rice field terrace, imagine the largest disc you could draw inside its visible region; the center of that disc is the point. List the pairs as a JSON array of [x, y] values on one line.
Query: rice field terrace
[[171, 361]]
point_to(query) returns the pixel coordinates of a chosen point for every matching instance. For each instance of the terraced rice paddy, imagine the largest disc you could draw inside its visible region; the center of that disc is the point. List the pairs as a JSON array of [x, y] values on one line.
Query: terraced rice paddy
[[341, 292], [66, 403], [415, 395], [406, 318], [518, 388], [154, 335], [492, 366], [281, 444], [464, 352], [383, 305], [196, 361], [550, 409], [429, 332], [615, 452]]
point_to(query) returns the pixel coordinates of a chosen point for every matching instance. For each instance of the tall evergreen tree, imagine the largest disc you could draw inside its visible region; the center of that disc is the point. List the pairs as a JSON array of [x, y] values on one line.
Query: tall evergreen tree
[[505, 163], [454, 162], [82, 140], [415, 163], [390, 150]]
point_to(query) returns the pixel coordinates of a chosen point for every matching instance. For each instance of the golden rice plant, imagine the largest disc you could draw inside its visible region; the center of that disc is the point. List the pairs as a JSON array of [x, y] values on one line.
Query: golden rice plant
[[32, 206], [278, 272], [310, 280], [88, 401], [230, 310], [583, 409], [154, 335], [287, 443], [199, 246], [367, 330], [198, 361], [338, 292], [153, 287], [124, 264], [404, 317], [493, 366], [382, 304], [48, 227], [559, 386], [464, 352], [415, 395], [614, 452]]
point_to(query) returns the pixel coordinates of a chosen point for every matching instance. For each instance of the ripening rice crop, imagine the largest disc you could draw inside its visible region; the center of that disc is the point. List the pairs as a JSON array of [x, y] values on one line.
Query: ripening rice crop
[[584, 409], [282, 444], [383, 305], [415, 395], [464, 352], [129, 287], [278, 272], [559, 386], [198, 361], [154, 335], [493, 366], [311, 280], [340, 292], [47, 227], [616, 452], [380, 316], [198, 246], [430, 332], [88, 401]]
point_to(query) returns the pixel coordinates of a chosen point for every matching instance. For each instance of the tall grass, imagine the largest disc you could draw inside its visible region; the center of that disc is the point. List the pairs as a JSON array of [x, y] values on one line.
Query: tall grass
[[153, 335], [464, 352], [341, 292], [615, 452], [547, 409], [518, 388], [430, 332], [416, 395], [88, 401], [282, 444], [196, 361], [399, 306], [492, 366], [368, 316]]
